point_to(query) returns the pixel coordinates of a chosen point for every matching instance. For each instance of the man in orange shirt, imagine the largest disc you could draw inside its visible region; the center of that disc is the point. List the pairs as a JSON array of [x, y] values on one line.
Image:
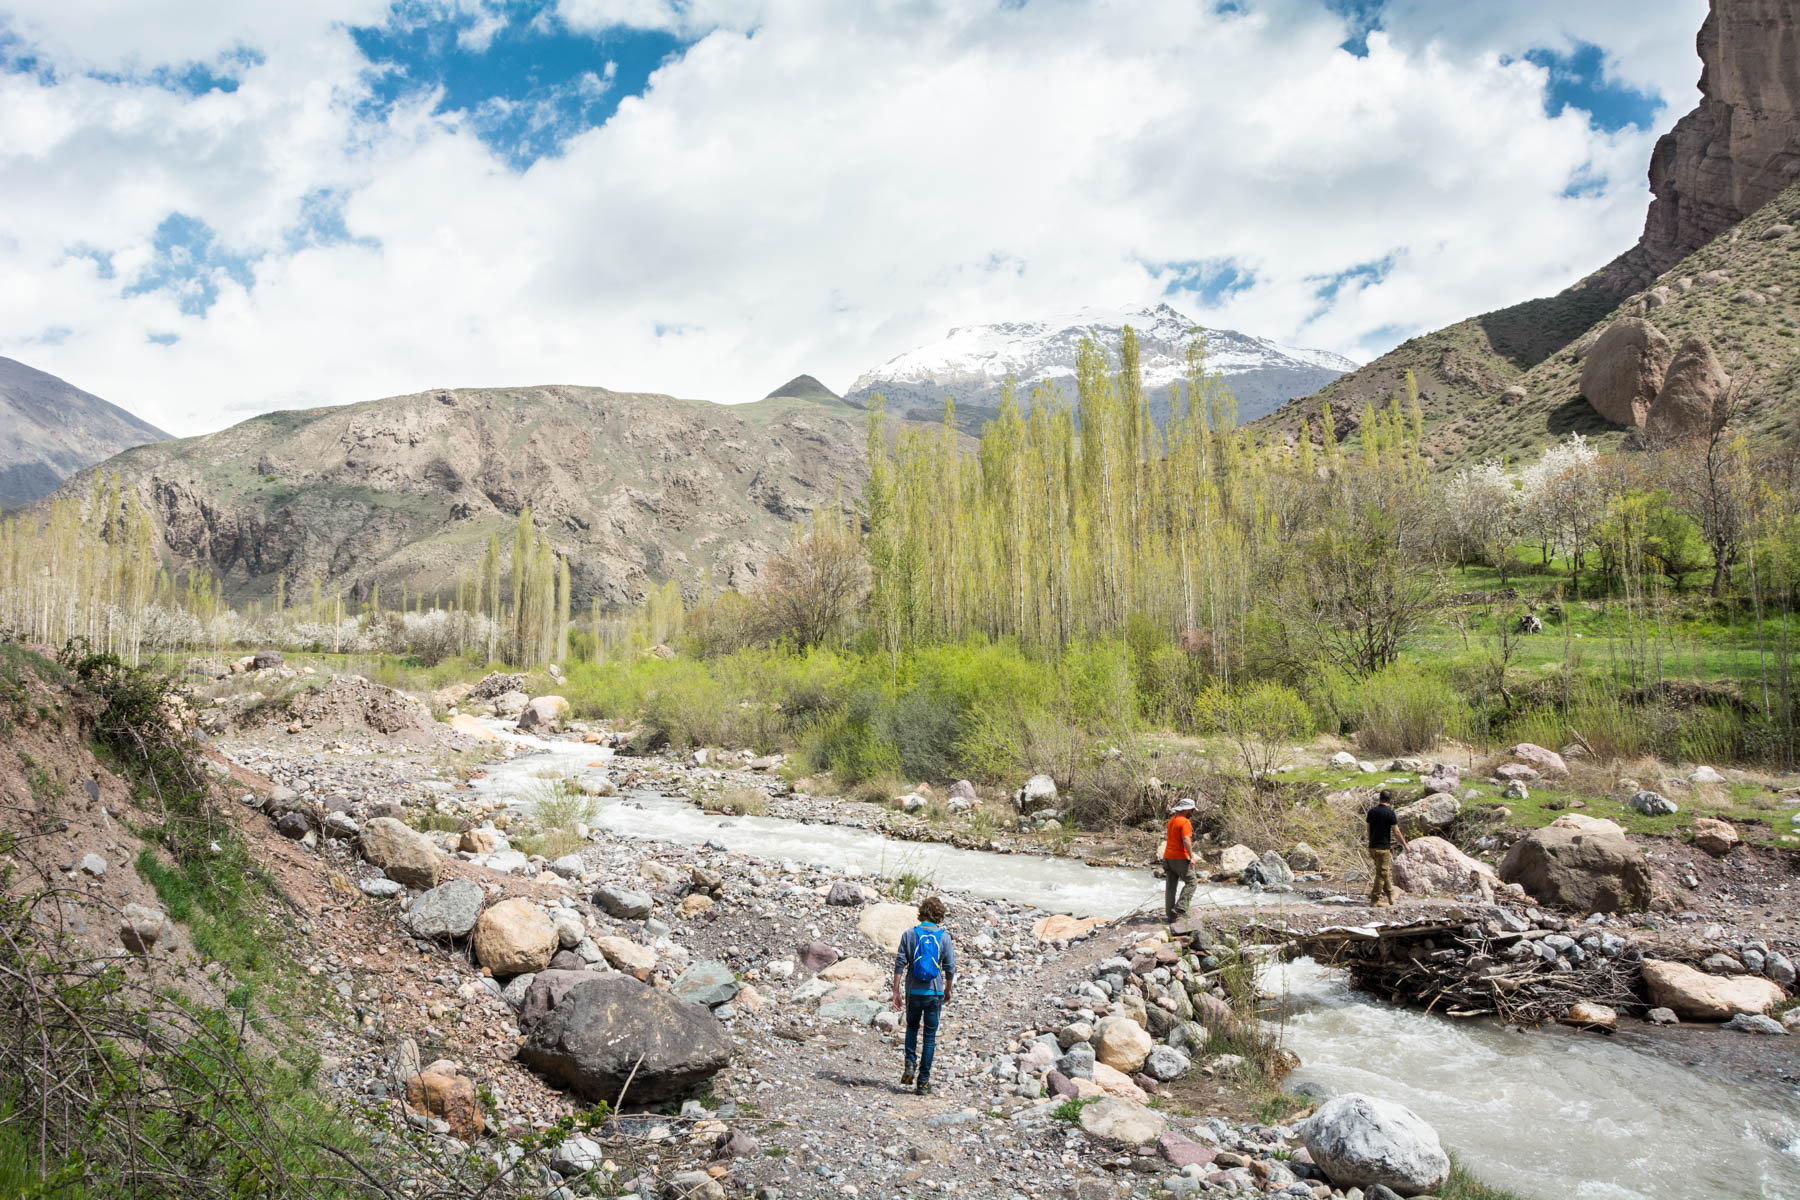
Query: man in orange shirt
[[1178, 861]]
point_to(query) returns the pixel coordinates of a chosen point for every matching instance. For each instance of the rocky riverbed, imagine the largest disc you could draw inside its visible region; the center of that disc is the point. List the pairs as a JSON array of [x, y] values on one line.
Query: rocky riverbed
[[457, 959]]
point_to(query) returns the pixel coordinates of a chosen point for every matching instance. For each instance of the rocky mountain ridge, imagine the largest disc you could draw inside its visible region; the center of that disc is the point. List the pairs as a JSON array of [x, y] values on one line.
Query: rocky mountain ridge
[[972, 363], [1489, 385], [49, 429], [402, 492]]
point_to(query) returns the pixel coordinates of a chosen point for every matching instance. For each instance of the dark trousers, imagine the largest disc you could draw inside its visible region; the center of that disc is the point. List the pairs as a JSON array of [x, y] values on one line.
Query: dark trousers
[[1178, 887], [922, 1010]]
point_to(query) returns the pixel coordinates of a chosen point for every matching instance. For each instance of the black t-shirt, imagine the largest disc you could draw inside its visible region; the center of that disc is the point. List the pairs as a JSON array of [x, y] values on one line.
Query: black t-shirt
[[1381, 827]]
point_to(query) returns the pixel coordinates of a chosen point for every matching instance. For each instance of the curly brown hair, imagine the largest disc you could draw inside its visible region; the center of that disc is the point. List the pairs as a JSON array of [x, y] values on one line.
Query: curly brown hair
[[932, 910]]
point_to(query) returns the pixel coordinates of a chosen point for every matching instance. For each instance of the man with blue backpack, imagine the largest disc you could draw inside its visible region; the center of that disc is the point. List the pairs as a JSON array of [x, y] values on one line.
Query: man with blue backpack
[[924, 974]]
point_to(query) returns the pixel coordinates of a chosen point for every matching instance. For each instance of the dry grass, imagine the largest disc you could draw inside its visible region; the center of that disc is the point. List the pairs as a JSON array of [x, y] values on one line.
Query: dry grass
[[1276, 818], [737, 801]]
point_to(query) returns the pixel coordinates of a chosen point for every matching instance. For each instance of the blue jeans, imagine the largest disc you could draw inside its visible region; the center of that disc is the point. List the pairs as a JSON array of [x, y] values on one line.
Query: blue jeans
[[922, 1010]]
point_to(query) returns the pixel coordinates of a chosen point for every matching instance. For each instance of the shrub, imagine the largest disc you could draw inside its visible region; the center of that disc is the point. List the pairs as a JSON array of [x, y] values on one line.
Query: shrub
[[1403, 710], [1262, 720]]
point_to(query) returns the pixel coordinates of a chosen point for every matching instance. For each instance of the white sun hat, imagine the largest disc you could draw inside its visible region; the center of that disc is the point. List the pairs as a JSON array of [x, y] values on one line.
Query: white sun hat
[[1183, 804]]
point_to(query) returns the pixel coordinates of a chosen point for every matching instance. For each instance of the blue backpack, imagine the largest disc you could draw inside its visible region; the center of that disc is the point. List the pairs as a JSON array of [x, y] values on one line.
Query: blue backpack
[[928, 947]]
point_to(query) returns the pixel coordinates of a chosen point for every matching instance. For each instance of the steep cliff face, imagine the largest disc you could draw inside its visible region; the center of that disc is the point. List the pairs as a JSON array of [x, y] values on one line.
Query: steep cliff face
[[634, 489], [1741, 146], [50, 429], [1504, 382]]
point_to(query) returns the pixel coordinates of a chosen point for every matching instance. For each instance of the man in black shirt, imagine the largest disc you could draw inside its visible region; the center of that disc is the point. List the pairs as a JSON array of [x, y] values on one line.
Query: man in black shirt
[[1384, 827]]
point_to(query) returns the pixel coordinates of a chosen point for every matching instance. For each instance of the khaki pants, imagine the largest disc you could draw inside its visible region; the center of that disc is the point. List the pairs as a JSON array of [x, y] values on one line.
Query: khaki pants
[[1177, 872], [1384, 881]]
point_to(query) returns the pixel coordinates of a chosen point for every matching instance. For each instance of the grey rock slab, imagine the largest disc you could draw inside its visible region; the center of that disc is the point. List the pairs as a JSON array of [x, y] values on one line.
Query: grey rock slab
[[709, 982], [446, 911]]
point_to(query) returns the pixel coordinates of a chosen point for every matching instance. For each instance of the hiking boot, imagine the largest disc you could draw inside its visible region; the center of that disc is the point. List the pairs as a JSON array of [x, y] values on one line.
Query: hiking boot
[[924, 1089], [906, 1077]]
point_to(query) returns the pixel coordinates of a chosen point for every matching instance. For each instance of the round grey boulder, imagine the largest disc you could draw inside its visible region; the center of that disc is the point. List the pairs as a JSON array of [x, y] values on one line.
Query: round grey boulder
[[1360, 1141]]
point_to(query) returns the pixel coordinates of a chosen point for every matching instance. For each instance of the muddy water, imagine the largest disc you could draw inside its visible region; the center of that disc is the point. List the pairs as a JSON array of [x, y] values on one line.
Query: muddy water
[[1551, 1113], [1548, 1114]]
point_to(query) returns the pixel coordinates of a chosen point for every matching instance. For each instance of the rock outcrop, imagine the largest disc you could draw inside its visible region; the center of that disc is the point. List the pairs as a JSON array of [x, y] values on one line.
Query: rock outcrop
[[1692, 389], [1741, 145], [1582, 870], [1624, 370], [600, 1031]]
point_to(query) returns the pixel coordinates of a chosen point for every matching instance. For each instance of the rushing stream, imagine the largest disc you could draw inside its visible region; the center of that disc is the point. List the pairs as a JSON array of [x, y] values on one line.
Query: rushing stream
[[1551, 1113]]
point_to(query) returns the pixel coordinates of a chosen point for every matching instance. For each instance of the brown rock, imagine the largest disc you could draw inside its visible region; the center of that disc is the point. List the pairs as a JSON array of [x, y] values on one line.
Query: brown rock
[[1741, 145], [450, 1097], [1122, 1043], [1582, 870], [1714, 836], [1699, 996], [1063, 928], [1547, 763], [1585, 1015], [514, 937], [627, 956], [1623, 373], [481, 841], [404, 853]]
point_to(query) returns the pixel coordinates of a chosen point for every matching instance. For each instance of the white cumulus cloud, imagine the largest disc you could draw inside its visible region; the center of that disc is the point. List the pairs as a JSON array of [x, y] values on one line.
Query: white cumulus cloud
[[811, 186]]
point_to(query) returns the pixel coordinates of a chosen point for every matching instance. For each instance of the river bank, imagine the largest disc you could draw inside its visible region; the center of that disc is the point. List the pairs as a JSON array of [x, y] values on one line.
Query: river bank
[[830, 1078]]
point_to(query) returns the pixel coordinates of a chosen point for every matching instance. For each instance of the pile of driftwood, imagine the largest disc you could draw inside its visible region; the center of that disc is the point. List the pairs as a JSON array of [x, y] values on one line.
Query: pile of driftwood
[[1475, 966]]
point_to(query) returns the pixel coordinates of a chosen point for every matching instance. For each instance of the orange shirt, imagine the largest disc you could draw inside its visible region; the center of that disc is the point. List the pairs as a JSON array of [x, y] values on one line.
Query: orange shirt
[[1181, 830]]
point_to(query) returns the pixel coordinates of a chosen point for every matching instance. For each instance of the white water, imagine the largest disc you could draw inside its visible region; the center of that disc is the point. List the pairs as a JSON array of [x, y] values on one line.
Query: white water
[[1552, 1113], [1052, 884]]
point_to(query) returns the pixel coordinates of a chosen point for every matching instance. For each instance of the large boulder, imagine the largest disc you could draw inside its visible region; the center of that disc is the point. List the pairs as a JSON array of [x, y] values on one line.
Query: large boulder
[[407, 855], [1119, 1122], [1701, 997], [1691, 392], [1432, 813], [1624, 371], [1271, 870], [1582, 870], [884, 924], [1547, 763], [545, 714], [547, 991], [1433, 865], [514, 937], [1233, 860], [446, 911], [615, 1028], [1122, 1044], [1039, 792], [1360, 1141]]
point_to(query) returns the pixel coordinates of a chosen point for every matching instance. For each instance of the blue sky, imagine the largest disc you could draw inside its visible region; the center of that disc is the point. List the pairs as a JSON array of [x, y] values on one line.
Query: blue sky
[[709, 196], [526, 87]]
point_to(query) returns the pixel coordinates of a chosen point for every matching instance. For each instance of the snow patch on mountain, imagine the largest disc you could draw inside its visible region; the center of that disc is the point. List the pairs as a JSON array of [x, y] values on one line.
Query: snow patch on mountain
[[975, 358]]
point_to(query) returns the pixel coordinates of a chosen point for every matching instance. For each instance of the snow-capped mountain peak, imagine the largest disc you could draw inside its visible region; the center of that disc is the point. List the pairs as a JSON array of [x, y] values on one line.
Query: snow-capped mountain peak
[[972, 362]]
